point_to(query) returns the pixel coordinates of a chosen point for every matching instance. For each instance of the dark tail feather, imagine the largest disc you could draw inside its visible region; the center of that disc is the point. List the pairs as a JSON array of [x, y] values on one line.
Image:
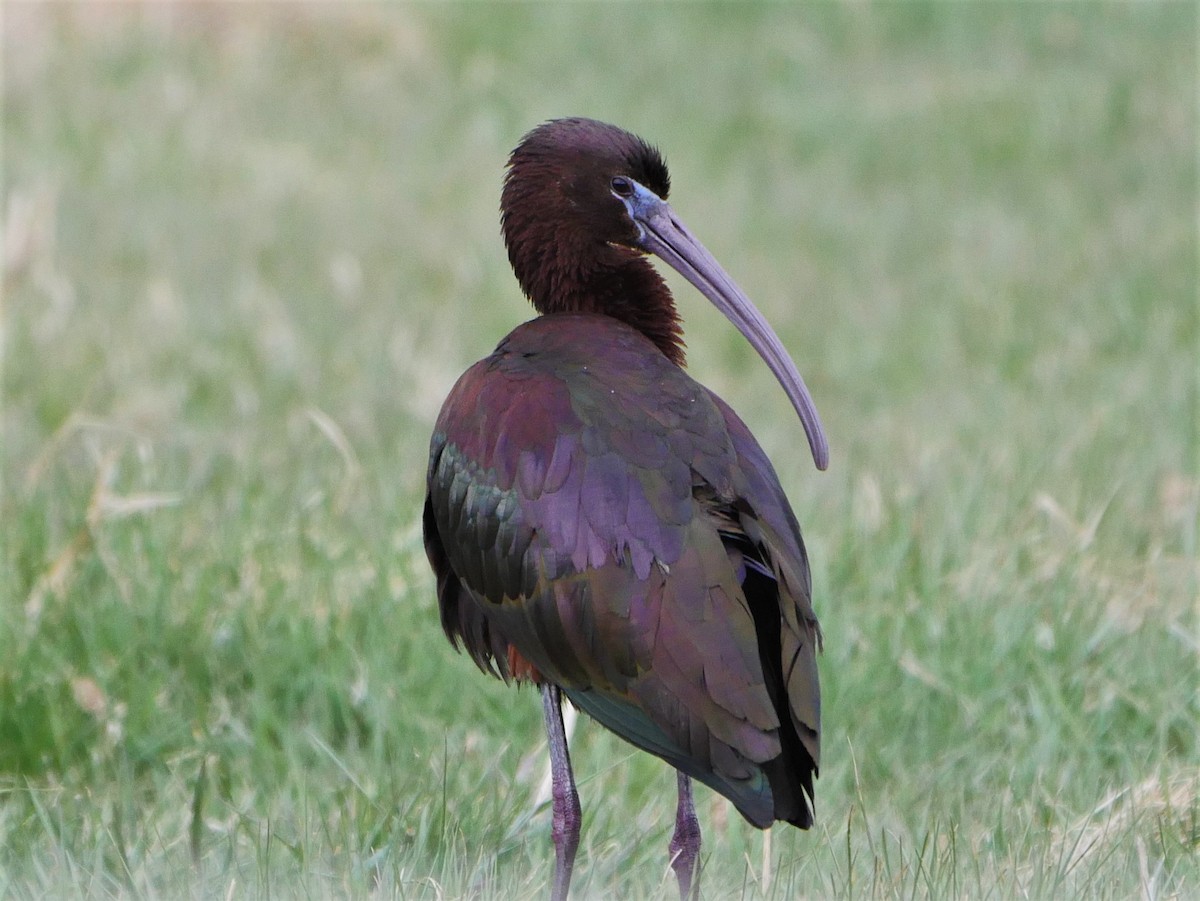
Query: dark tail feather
[[791, 778], [791, 773]]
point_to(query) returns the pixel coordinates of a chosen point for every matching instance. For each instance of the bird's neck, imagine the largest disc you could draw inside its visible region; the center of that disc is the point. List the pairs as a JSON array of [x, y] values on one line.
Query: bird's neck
[[629, 289]]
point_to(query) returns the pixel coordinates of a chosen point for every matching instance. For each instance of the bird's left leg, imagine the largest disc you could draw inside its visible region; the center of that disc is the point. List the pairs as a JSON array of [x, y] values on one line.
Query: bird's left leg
[[685, 843], [567, 814]]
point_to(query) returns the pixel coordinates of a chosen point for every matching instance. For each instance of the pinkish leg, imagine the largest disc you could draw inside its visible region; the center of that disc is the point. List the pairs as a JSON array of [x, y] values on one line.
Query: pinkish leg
[[685, 843], [567, 814]]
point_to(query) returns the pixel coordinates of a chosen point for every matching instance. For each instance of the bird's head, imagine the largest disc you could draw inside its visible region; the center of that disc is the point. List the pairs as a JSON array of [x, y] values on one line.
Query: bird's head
[[565, 194], [583, 204]]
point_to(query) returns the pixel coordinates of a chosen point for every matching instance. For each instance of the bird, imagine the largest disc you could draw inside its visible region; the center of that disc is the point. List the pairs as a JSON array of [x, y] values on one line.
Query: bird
[[601, 525]]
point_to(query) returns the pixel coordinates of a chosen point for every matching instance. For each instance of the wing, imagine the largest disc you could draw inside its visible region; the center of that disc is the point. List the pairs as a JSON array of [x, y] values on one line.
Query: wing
[[595, 512]]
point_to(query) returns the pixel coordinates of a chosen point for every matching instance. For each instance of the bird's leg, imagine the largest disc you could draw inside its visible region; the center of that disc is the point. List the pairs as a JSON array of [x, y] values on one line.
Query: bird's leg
[[685, 843], [567, 814]]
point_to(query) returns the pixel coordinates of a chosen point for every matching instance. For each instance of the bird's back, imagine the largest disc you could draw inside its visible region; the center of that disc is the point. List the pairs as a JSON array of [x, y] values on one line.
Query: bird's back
[[598, 519]]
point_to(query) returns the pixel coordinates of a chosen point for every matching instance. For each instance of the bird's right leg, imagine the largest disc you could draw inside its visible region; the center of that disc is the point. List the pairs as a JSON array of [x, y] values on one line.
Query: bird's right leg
[[567, 814], [685, 843]]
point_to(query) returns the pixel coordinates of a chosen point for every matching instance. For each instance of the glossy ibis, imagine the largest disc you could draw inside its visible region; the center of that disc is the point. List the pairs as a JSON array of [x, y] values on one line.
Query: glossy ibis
[[604, 526]]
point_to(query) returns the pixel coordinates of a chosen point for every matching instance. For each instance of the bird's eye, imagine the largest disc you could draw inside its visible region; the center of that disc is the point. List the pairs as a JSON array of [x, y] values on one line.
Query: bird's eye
[[621, 186]]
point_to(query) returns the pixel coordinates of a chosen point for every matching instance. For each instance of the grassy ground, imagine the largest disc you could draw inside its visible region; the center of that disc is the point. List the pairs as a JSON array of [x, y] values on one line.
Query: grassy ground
[[247, 251]]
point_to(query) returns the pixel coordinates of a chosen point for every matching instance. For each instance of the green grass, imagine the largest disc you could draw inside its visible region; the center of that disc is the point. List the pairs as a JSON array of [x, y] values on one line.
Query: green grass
[[247, 252]]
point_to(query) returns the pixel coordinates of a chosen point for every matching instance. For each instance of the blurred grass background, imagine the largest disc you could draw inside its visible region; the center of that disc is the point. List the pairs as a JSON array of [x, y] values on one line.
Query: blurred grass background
[[247, 250]]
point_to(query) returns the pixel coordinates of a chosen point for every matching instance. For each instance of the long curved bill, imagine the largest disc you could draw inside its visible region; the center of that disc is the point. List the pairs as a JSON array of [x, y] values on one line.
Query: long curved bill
[[665, 236]]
